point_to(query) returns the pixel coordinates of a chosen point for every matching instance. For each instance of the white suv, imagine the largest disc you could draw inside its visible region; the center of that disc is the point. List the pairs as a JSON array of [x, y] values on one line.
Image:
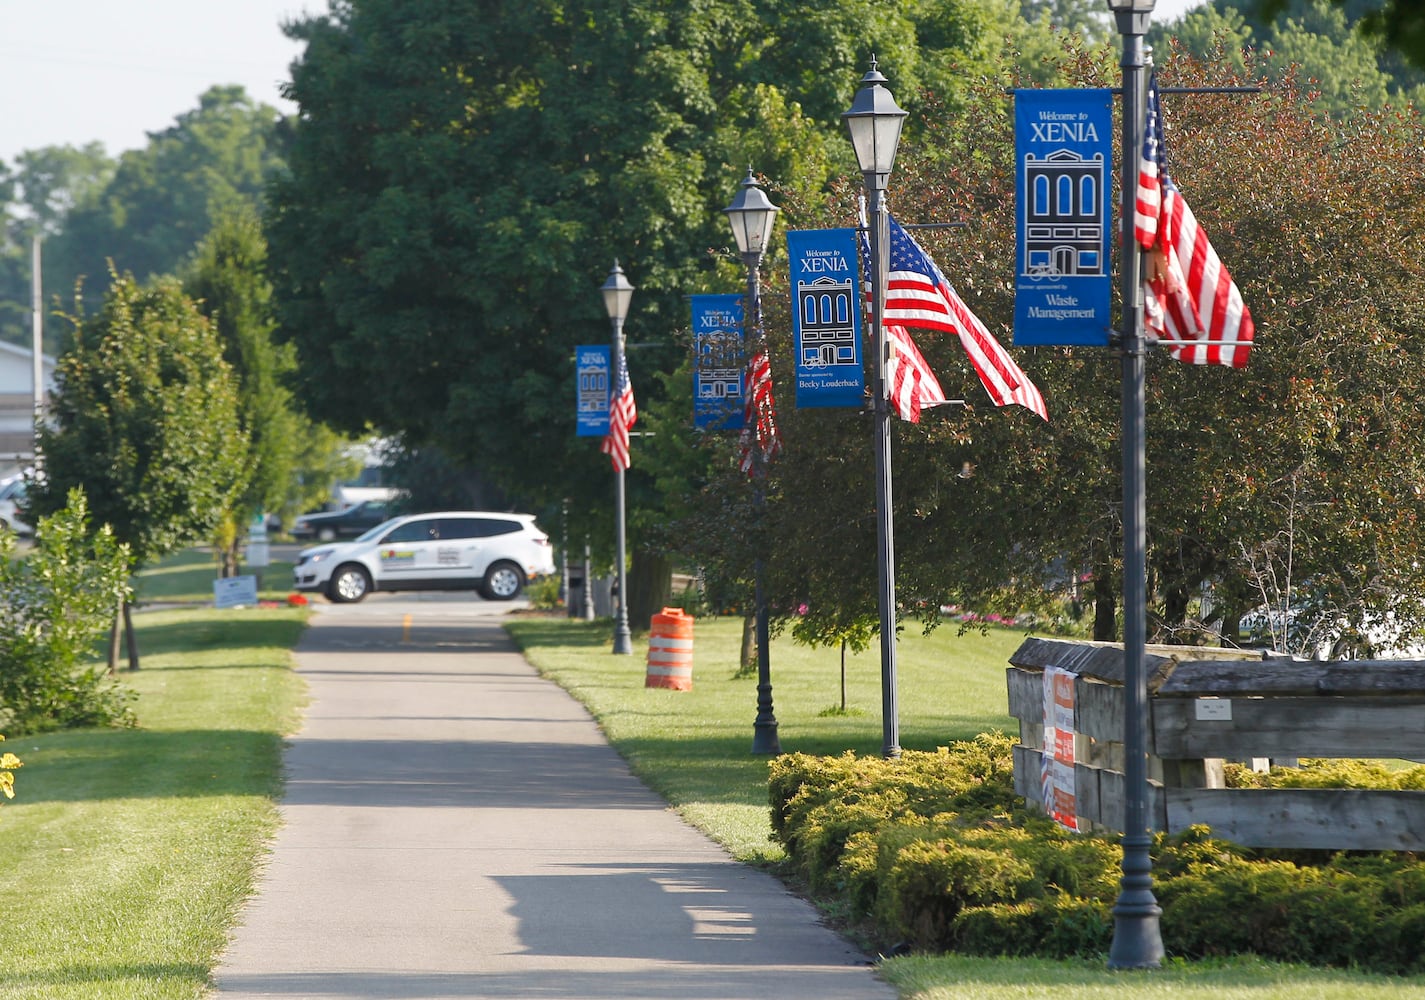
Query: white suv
[[496, 554]]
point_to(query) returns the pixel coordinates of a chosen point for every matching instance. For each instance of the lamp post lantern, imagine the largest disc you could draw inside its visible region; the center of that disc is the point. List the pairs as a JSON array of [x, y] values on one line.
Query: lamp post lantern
[[752, 217], [1137, 934], [617, 294], [875, 121]]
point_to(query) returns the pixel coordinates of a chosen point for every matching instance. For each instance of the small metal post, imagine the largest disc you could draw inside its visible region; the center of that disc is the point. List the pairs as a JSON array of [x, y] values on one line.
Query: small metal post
[[587, 598]]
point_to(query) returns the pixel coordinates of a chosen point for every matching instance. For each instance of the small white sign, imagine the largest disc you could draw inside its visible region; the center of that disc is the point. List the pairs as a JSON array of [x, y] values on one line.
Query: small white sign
[[257, 552], [234, 591], [1214, 709]]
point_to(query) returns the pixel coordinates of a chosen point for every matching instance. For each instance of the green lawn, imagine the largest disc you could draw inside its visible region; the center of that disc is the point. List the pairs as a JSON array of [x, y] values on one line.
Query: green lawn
[[187, 578], [127, 853], [694, 748]]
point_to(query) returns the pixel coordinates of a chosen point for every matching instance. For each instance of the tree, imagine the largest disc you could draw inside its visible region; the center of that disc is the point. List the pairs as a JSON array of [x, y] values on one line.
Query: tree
[[1314, 218], [54, 602], [1397, 24], [446, 220], [229, 283], [146, 421], [164, 198], [1322, 47], [46, 185]]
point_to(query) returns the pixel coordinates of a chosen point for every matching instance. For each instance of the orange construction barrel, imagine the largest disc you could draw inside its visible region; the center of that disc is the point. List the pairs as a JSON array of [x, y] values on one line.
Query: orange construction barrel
[[670, 651]]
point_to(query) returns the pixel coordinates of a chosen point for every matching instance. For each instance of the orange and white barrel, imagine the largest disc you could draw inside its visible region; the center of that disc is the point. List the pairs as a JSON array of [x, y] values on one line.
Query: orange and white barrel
[[670, 651]]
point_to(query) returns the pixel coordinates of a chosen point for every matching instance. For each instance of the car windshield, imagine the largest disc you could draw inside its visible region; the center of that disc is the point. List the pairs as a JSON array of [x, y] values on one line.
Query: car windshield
[[371, 533]]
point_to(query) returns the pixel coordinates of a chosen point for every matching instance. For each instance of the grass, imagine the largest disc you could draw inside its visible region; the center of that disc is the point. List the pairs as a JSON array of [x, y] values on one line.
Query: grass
[[187, 578], [954, 977], [694, 749], [127, 853]]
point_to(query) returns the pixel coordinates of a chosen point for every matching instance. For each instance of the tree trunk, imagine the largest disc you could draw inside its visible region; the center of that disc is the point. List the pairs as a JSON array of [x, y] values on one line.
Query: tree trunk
[[114, 633], [130, 639], [843, 675], [1174, 627], [650, 588], [747, 660], [1105, 605], [231, 563]]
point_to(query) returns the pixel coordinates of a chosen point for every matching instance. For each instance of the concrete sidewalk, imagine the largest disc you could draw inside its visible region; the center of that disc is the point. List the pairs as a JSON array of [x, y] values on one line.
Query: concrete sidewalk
[[456, 827]]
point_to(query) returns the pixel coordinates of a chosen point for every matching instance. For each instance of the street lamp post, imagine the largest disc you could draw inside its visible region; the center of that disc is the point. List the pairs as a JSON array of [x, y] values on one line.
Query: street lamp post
[[752, 217], [1137, 935], [874, 121], [617, 294]]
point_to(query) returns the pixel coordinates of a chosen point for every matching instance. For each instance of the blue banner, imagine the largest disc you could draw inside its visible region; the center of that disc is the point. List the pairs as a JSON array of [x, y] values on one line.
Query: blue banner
[[1062, 151], [826, 317], [591, 364], [718, 360]]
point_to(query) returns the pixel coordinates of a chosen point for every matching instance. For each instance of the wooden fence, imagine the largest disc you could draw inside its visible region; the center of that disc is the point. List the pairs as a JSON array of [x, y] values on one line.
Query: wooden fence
[[1211, 705]]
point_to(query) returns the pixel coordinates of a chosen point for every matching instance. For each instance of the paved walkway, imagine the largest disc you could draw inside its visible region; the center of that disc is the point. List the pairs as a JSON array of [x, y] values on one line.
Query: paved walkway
[[456, 827]]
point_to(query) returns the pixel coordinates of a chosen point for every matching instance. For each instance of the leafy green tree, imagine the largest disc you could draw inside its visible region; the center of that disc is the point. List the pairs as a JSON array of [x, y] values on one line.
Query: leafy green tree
[[37, 198], [1316, 46], [446, 221], [1306, 455], [164, 198], [229, 282], [54, 603], [1397, 24], [147, 422]]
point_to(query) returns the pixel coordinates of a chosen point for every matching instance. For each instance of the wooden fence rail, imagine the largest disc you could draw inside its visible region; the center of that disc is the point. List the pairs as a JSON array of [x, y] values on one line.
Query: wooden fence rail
[[1211, 705]]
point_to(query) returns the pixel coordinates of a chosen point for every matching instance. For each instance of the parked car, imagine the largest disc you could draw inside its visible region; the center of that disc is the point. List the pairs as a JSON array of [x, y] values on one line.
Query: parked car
[[495, 554], [12, 494], [328, 526]]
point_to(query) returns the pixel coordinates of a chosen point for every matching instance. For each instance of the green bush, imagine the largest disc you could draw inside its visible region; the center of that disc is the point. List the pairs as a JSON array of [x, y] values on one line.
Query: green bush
[[1053, 926], [935, 851], [543, 593], [54, 605]]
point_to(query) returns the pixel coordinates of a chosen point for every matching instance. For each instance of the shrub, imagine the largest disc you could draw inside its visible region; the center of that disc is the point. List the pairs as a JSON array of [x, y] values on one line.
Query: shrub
[[1053, 926], [53, 607], [543, 593], [8, 763], [934, 850]]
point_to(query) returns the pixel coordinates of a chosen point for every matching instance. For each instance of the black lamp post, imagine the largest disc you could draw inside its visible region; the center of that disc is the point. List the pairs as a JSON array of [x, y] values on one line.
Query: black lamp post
[[617, 294], [874, 121], [752, 217], [1137, 936]]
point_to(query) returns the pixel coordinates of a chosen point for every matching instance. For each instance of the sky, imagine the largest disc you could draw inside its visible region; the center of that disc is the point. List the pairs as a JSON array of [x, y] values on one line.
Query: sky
[[79, 71]]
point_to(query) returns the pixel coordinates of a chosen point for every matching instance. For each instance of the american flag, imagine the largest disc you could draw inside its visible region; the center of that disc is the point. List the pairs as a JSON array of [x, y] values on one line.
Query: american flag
[[1188, 294], [918, 294], [759, 414], [913, 384], [623, 414]]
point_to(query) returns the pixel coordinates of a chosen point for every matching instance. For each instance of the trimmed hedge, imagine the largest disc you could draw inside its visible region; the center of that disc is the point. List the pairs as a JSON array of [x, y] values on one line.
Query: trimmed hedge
[[935, 851]]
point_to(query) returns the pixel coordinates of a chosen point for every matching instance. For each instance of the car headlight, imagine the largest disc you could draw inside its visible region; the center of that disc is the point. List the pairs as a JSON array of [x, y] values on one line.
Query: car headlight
[[313, 557]]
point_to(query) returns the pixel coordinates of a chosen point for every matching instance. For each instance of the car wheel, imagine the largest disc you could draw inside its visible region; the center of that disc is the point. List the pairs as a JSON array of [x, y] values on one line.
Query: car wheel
[[326, 535], [503, 582], [349, 584]]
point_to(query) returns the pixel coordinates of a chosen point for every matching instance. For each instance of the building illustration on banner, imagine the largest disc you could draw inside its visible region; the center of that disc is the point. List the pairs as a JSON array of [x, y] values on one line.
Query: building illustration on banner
[[594, 392], [828, 329], [719, 363], [1063, 234]]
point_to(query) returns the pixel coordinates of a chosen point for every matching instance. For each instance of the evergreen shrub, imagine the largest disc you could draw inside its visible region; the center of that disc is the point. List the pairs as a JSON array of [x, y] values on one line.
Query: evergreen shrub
[[935, 851]]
